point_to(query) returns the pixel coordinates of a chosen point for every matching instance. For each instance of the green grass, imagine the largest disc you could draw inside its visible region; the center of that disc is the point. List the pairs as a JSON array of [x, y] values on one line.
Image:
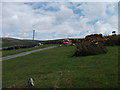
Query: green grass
[[12, 52], [98, 71]]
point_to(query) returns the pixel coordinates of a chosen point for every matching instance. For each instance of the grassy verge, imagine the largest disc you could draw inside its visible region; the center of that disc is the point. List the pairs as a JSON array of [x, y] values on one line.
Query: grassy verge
[[12, 52], [56, 68]]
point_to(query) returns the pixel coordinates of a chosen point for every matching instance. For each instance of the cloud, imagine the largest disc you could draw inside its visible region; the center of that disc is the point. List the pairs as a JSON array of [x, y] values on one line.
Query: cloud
[[17, 16], [105, 22], [64, 14], [58, 19], [94, 10]]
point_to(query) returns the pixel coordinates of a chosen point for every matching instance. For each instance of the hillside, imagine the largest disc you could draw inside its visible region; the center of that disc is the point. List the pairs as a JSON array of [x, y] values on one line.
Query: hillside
[[6, 42]]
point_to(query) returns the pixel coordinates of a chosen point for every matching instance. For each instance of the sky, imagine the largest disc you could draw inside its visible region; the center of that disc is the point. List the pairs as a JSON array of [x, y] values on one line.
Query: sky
[[56, 20]]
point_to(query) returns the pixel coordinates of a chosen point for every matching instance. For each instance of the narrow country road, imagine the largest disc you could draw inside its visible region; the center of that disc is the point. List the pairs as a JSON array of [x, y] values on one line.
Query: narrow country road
[[25, 53]]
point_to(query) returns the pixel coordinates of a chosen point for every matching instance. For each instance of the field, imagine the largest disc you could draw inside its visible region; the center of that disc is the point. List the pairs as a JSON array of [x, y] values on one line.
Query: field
[[56, 68]]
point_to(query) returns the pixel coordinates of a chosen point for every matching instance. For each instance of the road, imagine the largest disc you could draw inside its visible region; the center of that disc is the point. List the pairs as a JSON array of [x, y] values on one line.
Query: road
[[25, 53]]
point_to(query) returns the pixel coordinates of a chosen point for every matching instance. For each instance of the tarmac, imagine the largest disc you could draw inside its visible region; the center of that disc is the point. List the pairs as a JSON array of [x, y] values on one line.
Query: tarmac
[[25, 53]]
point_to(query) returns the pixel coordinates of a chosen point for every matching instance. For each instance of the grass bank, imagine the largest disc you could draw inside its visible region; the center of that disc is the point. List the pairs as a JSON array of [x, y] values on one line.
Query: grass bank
[[56, 68]]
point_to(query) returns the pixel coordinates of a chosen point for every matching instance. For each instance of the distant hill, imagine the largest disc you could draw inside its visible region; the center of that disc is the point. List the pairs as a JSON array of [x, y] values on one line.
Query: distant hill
[[6, 42]]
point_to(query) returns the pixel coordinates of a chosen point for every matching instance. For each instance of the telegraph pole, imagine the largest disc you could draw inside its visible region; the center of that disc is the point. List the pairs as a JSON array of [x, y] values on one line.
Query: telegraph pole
[[33, 34]]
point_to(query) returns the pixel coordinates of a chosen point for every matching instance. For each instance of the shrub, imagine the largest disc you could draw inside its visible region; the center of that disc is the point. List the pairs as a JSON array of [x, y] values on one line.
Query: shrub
[[93, 36], [89, 48], [95, 44], [112, 40]]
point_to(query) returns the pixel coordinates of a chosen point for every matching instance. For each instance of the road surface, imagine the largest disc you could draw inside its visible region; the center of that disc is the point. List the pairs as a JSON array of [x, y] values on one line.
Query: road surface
[[25, 53]]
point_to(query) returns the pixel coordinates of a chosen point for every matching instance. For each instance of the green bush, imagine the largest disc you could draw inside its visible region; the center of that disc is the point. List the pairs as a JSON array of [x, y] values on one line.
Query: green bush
[[89, 48], [95, 44]]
